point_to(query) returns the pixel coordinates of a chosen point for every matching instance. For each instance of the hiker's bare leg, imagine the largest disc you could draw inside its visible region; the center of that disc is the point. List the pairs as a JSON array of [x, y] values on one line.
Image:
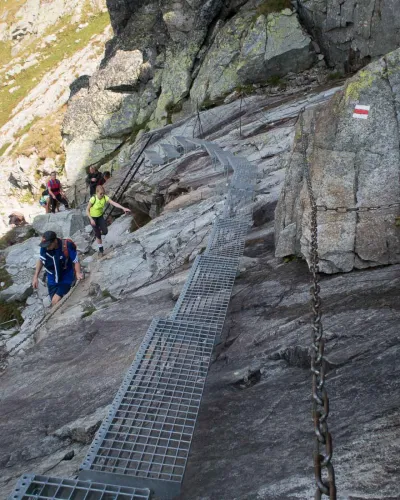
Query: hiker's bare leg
[[98, 241], [56, 298]]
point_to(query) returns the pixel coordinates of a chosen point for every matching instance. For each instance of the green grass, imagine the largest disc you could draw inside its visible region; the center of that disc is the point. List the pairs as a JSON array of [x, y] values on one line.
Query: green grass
[[64, 47], [335, 75], [24, 130], [4, 148], [172, 109], [290, 258], [5, 278], [27, 197], [9, 8], [209, 104], [9, 311], [106, 293], [11, 237], [276, 81], [137, 127], [5, 52], [245, 89], [89, 311], [271, 6], [44, 135]]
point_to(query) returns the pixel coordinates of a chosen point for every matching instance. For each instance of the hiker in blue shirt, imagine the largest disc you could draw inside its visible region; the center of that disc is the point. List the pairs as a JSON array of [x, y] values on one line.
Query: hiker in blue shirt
[[60, 259]]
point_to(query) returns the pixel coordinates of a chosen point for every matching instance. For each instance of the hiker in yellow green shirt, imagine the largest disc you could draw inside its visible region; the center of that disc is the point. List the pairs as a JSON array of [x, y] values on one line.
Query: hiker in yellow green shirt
[[95, 210]]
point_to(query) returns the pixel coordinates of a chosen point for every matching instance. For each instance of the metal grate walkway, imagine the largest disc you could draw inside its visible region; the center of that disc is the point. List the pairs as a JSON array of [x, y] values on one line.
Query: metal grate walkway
[[228, 237], [146, 437], [239, 203], [142, 446], [43, 487], [206, 294]]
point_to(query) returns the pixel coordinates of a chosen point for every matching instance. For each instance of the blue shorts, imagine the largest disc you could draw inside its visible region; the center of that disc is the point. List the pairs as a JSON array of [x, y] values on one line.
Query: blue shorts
[[59, 290]]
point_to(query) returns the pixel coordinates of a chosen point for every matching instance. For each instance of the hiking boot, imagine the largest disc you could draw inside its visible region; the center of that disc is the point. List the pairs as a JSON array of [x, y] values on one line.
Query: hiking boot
[[100, 252]]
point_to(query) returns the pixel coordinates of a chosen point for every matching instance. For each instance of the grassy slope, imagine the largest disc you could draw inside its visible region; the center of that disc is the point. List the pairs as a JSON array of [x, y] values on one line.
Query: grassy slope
[[68, 42], [44, 135]]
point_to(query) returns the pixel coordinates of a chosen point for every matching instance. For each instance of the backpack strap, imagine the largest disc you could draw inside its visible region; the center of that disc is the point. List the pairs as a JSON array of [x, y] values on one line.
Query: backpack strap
[[65, 251], [65, 248]]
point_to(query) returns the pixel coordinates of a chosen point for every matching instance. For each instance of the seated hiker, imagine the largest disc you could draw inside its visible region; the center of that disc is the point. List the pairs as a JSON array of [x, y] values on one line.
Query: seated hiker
[[56, 192], [60, 260], [93, 179], [95, 211], [105, 177], [16, 219], [45, 201]]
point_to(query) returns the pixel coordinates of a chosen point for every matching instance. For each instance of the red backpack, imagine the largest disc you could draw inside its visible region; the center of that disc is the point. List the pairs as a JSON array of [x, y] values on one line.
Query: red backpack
[[65, 250]]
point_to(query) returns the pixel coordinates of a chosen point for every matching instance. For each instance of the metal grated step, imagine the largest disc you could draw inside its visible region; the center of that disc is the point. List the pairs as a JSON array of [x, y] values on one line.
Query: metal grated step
[[145, 439], [200, 143], [223, 158], [184, 143], [53, 488], [244, 178], [211, 149], [154, 158], [228, 237], [239, 203], [171, 153], [237, 161], [206, 294]]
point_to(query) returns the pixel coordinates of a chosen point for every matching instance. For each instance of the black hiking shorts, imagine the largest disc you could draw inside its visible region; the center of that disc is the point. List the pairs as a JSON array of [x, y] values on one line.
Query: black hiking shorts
[[58, 289], [101, 226]]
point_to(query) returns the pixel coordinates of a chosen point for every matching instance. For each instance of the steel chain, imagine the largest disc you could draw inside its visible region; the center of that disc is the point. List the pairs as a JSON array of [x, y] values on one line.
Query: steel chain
[[343, 210], [323, 467]]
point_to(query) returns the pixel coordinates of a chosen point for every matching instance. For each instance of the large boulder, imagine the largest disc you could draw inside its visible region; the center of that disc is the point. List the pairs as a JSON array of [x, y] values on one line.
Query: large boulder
[[99, 117], [350, 32], [22, 256], [252, 48], [354, 163], [65, 224], [20, 264], [169, 56]]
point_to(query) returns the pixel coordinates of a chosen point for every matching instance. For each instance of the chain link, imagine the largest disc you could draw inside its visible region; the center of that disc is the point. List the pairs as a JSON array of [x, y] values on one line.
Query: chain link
[[323, 468], [344, 210]]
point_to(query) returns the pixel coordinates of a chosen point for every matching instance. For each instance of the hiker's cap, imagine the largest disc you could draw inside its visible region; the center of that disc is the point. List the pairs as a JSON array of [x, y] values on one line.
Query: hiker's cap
[[47, 239]]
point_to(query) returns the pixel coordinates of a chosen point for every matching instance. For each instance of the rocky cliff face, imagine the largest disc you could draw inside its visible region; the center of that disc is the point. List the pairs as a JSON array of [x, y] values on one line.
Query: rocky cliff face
[[171, 58], [166, 59], [354, 164], [254, 436], [45, 48], [351, 33], [24, 20]]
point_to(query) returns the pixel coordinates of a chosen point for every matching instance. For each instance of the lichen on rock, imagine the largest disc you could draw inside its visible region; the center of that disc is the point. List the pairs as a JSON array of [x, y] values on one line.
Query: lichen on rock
[[252, 48]]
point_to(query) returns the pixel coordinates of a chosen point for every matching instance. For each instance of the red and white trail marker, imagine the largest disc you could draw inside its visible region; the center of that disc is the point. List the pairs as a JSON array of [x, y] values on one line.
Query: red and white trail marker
[[361, 111]]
